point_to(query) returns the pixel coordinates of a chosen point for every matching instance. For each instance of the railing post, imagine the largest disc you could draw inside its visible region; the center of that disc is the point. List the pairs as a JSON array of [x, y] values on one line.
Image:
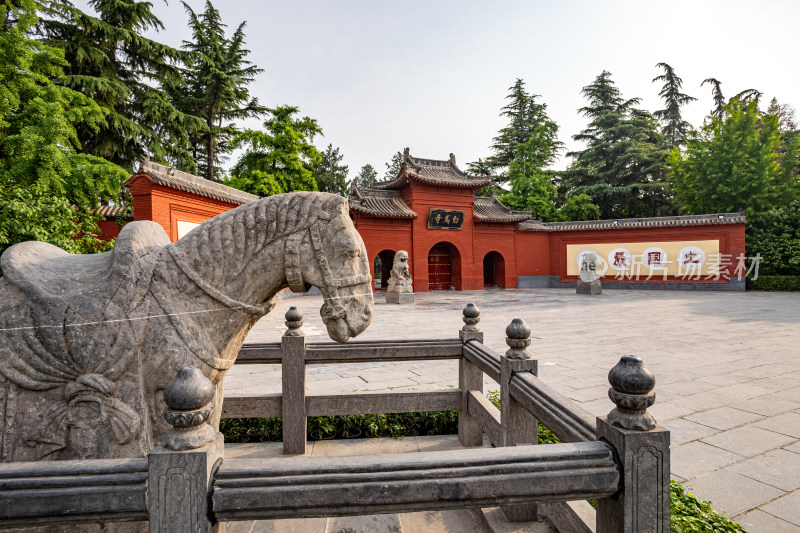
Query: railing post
[[642, 504], [293, 367], [470, 378], [519, 426], [180, 470]]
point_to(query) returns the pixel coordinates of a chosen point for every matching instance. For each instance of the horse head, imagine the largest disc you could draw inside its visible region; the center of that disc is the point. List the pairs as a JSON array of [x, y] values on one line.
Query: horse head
[[331, 256]]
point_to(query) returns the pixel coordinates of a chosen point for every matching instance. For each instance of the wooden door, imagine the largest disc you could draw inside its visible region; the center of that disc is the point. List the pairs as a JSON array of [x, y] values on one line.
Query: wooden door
[[439, 268]]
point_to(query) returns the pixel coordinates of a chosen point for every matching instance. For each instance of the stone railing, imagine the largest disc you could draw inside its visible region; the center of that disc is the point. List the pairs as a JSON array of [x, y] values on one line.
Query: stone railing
[[621, 460]]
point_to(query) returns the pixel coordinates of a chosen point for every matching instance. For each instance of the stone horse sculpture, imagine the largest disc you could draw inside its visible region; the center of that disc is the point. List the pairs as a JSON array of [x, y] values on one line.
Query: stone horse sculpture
[[89, 342]]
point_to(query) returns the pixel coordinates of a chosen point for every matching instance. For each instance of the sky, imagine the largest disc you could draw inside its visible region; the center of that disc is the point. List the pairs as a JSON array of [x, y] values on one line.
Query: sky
[[433, 75]]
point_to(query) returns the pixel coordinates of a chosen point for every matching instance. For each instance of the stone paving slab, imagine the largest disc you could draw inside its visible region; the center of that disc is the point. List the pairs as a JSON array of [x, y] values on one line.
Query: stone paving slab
[[696, 458], [779, 468], [758, 520], [722, 361], [682, 431], [786, 508], [748, 440], [787, 423], [723, 417], [732, 492]]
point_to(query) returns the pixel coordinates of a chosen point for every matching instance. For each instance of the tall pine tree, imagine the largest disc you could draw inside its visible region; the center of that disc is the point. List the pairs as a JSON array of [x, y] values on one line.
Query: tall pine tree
[[366, 177], [674, 127], [110, 61], [716, 94], [214, 87], [330, 174], [719, 98], [622, 167], [393, 166], [530, 135], [49, 191]]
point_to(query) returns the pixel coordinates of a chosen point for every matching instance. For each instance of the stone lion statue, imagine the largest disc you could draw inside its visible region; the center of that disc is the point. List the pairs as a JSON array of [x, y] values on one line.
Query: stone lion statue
[[400, 278]]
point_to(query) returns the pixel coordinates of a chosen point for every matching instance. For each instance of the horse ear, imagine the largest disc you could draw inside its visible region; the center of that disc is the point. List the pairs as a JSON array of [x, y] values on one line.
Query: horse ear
[[344, 207]]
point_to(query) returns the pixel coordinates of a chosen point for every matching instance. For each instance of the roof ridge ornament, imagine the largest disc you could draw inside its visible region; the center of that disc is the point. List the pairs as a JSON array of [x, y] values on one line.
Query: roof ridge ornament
[[354, 190]]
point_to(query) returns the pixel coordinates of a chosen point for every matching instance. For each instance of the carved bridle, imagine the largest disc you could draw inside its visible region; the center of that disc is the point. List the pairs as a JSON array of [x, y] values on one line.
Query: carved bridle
[[294, 276], [334, 309]]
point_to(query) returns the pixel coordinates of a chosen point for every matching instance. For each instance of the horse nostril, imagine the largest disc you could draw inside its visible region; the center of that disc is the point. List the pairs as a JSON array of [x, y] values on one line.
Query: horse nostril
[[367, 311]]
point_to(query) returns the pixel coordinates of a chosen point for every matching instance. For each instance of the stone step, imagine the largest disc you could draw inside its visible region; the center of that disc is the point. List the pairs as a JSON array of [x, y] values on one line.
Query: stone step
[[489, 520], [453, 521]]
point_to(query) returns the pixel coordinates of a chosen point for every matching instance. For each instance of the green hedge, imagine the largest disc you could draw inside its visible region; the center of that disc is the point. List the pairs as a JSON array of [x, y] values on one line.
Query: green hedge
[[775, 236], [394, 425], [774, 283]]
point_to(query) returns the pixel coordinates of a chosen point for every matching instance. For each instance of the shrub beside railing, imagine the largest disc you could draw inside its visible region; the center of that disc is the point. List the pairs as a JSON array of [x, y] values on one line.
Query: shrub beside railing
[[395, 425]]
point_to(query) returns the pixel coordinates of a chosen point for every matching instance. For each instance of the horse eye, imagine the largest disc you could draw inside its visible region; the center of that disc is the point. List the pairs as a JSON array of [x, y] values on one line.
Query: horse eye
[[353, 253]]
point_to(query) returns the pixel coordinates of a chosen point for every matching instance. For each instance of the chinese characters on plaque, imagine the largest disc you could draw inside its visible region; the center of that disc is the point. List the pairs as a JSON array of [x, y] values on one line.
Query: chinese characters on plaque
[[445, 219], [689, 261]]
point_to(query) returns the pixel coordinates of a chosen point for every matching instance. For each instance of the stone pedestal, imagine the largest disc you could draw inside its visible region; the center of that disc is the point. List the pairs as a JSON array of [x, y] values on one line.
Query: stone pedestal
[[589, 287], [643, 503], [399, 297]]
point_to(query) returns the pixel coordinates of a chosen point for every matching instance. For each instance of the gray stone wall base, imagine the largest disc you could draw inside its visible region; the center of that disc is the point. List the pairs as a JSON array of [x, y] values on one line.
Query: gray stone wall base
[[554, 282], [533, 282], [588, 287], [399, 298]]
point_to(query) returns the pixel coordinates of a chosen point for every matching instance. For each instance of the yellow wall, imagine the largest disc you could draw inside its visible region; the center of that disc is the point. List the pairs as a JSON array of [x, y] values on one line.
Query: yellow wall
[[710, 248]]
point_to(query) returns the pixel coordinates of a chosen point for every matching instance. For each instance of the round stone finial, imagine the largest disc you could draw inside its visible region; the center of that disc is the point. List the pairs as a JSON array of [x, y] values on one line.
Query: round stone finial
[[472, 315], [189, 390], [294, 321], [189, 398], [632, 392], [518, 338], [631, 377]]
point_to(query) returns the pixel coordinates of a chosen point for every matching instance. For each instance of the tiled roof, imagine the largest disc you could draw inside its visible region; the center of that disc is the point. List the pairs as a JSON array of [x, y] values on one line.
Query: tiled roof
[[381, 204], [491, 210], [434, 172], [630, 223], [110, 211], [183, 181]]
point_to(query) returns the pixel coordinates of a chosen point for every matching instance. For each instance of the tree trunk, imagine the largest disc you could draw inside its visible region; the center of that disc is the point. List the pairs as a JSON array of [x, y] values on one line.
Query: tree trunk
[[210, 165]]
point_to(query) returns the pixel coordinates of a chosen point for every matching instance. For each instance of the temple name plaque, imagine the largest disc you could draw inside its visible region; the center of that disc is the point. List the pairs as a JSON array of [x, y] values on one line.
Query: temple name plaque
[[445, 219]]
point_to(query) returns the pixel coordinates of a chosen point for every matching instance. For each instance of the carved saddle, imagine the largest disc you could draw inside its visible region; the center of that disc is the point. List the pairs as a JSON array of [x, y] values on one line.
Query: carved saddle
[[69, 324]]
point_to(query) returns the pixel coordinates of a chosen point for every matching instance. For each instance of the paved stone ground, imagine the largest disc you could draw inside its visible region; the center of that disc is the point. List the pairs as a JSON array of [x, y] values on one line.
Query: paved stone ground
[[727, 367]]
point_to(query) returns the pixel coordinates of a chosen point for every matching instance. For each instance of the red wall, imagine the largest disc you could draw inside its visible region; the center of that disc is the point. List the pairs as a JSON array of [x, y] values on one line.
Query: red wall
[[381, 234], [498, 238], [166, 206], [109, 229], [532, 251], [468, 246], [525, 253]]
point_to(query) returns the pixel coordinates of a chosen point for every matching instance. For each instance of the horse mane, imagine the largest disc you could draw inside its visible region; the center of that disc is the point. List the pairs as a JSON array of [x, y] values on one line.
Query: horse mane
[[244, 231]]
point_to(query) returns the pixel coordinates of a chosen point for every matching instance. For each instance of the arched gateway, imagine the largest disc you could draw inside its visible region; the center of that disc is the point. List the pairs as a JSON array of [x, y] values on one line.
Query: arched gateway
[[431, 202], [494, 270], [383, 267]]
